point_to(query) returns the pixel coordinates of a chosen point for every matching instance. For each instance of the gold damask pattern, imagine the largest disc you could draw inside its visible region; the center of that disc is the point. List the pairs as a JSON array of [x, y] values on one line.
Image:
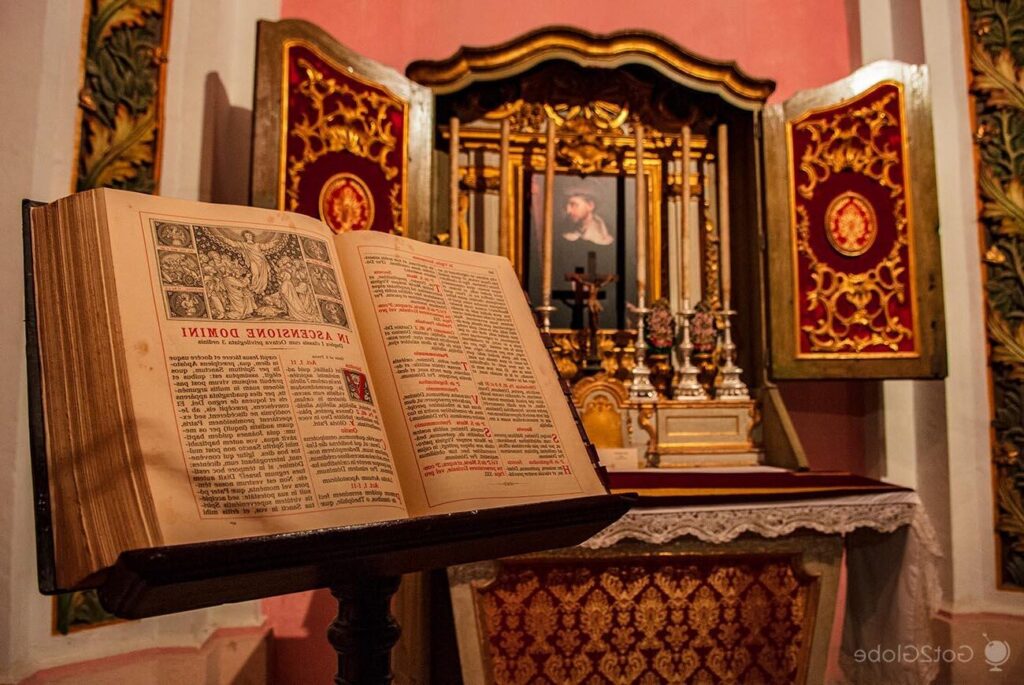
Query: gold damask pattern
[[858, 309], [646, 620]]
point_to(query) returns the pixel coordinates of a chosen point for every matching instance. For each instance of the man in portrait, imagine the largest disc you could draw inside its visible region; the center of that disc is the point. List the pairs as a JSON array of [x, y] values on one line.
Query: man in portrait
[[580, 207]]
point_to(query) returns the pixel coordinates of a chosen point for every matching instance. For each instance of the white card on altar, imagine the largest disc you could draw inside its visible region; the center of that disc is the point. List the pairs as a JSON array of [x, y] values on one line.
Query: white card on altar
[[618, 458]]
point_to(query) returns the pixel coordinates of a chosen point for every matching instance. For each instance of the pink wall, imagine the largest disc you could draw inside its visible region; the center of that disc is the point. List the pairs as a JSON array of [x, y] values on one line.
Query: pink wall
[[797, 43], [832, 419]]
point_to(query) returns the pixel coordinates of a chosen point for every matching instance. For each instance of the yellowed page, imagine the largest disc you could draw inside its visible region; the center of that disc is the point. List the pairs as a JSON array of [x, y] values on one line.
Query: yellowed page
[[480, 418], [247, 378]]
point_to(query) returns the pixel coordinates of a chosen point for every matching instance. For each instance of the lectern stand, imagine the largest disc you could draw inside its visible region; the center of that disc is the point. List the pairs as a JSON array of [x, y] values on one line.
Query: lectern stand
[[360, 564]]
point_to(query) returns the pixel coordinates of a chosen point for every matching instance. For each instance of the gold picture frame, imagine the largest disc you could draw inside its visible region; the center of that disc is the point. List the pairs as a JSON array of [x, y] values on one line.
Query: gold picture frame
[[526, 156]]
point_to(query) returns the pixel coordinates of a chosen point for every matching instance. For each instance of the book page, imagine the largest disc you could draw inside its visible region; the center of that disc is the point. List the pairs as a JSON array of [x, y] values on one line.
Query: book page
[[456, 354], [249, 384]]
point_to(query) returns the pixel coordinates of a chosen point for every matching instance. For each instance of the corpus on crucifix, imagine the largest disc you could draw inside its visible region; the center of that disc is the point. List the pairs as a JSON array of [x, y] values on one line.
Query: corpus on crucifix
[[587, 287]]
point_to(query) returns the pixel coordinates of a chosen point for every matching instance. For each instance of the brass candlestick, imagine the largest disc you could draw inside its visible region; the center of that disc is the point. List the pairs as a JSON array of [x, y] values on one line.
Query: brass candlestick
[[687, 385], [641, 389], [732, 388], [544, 312]]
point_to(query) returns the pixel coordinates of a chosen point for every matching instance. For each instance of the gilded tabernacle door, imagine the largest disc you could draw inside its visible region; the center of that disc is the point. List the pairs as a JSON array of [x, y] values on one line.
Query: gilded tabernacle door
[[855, 272], [338, 136]]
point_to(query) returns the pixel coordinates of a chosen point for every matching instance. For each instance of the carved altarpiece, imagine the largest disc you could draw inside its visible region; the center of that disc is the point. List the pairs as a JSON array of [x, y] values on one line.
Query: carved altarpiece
[[822, 197], [596, 91]]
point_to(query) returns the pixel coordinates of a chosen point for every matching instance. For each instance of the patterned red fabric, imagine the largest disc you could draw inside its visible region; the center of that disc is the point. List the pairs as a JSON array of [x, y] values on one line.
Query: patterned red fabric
[[851, 228], [657, 619], [345, 146]]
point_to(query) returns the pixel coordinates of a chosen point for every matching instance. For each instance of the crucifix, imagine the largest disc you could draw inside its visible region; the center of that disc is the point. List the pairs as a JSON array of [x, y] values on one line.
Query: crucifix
[[588, 288]]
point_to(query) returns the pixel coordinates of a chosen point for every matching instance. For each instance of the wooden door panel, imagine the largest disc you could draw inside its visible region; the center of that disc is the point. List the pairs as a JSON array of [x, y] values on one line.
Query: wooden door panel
[[855, 273], [338, 136]]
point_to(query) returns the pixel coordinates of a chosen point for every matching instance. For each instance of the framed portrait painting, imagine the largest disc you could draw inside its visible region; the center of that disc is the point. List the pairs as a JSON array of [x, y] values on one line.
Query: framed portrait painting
[[594, 232]]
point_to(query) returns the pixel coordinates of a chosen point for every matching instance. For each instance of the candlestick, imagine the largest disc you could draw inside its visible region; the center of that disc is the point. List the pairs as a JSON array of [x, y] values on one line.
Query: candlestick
[[707, 277], [687, 386], [505, 191], [547, 243], [732, 388], [641, 389], [453, 196], [641, 216], [724, 268], [684, 218]]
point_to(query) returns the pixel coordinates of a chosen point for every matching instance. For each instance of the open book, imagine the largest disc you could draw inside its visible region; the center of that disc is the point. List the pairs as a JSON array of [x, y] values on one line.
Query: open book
[[212, 372]]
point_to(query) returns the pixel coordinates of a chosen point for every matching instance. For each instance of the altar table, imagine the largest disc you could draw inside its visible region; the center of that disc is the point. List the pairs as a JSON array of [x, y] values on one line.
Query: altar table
[[709, 592]]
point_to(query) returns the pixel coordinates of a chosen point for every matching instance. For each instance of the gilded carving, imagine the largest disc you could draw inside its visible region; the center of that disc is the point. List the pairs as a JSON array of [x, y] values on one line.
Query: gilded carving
[[523, 117], [850, 301], [710, 264], [645, 419], [468, 66], [602, 420], [395, 202], [591, 136], [121, 96], [480, 179], [343, 120], [615, 348], [851, 140], [850, 224], [996, 64], [854, 310]]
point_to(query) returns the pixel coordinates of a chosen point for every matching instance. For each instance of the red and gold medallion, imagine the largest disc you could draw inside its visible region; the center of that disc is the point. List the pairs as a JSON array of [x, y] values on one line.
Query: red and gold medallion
[[346, 203], [850, 224]]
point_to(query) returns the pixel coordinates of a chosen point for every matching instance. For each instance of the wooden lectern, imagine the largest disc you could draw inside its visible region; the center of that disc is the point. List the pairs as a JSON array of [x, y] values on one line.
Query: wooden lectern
[[360, 564]]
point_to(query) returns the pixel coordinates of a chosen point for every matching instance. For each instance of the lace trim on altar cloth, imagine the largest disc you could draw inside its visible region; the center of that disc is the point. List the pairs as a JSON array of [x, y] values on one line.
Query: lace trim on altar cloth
[[719, 525]]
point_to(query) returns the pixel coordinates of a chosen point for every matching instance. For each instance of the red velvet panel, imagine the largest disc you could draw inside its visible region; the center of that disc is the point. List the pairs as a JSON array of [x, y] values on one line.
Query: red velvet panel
[[851, 228], [345, 147]]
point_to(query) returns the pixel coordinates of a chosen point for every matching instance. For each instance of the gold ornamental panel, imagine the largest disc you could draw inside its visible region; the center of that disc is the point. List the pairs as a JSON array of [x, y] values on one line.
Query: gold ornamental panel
[[860, 303]]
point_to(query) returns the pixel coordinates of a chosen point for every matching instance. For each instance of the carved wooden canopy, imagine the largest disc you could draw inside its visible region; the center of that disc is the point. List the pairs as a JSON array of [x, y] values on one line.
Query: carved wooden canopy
[[475, 64]]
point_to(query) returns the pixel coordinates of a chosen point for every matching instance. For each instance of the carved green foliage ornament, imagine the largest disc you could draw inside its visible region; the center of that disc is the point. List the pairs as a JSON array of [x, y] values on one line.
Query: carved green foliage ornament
[[120, 99], [120, 107], [997, 57]]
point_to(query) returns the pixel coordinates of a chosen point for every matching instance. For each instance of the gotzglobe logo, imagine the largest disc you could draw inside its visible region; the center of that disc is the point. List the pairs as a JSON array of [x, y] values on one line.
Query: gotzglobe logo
[[909, 654], [997, 653]]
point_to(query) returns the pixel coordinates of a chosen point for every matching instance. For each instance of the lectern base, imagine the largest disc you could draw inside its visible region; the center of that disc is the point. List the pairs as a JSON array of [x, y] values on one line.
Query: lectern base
[[364, 631]]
